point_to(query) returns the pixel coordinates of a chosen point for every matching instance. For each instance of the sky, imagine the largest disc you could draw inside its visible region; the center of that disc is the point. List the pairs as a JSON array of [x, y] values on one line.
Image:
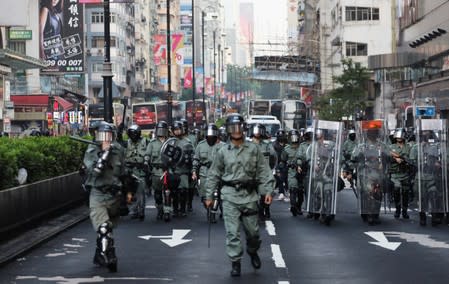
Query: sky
[[270, 23]]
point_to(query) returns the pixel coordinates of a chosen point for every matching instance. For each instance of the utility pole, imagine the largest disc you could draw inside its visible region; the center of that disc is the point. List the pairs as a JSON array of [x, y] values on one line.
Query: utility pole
[[193, 65], [107, 66]]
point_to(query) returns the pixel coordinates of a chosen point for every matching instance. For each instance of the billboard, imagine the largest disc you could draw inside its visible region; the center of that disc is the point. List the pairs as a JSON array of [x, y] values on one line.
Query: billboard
[[61, 36]]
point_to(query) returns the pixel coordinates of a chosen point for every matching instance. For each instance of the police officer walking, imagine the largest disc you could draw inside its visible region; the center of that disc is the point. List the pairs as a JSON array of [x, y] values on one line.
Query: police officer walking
[[296, 191], [137, 165], [400, 171], [242, 170], [103, 165], [204, 155], [157, 170]]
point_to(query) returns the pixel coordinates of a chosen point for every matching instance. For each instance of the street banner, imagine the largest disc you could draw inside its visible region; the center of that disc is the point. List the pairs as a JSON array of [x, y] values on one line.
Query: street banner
[[188, 77]]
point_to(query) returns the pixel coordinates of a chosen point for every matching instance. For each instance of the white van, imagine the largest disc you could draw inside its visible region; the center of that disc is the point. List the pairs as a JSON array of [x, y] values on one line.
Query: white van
[[271, 123]]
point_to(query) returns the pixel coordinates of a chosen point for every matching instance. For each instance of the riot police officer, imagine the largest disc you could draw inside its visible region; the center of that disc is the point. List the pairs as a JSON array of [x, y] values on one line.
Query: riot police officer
[[400, 171], [137, 165], [346, 150], [103, 165], [204, 155], [183, 196], [296, 191], [281, 168], [258, 134], [303, 163], [164, 209], [241, 168]]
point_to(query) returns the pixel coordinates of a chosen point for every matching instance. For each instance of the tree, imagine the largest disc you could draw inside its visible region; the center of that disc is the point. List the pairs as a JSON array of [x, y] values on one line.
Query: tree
[[347, 99]]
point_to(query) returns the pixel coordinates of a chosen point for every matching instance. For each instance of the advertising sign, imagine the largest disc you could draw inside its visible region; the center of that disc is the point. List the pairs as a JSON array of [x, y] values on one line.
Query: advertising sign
[[61, 39]]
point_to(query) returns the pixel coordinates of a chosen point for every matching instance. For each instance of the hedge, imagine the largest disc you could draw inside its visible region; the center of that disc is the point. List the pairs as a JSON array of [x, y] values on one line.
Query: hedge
[[42, 157]]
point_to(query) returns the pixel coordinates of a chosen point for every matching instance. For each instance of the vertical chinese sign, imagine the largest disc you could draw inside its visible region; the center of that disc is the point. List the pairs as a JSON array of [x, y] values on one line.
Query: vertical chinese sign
[[61, 35]]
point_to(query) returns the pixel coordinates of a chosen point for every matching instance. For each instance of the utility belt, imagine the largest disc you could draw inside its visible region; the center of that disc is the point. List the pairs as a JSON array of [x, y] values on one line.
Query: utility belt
[[207, 165], [113, 190], [136, 165], [156, 166], [237, 185]]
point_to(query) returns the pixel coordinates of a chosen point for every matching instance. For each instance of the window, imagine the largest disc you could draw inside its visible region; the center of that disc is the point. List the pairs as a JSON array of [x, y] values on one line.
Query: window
[[361, 13], [17, 46], [98, 18], [356, 49], [98, 42], [97, 67]]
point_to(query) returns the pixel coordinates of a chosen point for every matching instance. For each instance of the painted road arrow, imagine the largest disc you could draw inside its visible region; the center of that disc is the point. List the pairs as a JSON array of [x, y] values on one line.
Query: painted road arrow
[[382, 241], [175, 239]]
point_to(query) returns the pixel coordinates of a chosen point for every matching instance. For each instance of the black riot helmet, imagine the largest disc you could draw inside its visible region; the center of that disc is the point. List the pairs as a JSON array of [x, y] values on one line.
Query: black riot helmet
[[185, 125], [134, 132], [257, 130], [105, 132], [351, 134], [293, 136], [235, 123], [211, 134], [281, 136], [178, 125], [308, 133], [222, 134], [162, 129]]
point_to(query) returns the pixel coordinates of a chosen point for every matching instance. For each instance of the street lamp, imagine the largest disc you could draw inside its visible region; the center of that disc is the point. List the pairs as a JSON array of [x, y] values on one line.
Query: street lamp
[[107, 66]]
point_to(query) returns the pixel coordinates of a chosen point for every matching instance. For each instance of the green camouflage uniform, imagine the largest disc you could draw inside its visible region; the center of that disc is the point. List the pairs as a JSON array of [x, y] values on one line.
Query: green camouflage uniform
[[346, 150], [244, 174], [134, 162], [154, 153], [183, 171], [104, 199], [400, 174]]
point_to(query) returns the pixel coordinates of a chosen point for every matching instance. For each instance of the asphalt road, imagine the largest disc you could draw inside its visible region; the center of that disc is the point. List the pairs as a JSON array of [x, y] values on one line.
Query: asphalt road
[[294, 250]]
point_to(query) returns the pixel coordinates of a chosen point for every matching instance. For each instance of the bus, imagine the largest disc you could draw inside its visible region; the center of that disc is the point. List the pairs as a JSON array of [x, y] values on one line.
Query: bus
[[95, 112], [198, 115], [148, 114], [293, 114]]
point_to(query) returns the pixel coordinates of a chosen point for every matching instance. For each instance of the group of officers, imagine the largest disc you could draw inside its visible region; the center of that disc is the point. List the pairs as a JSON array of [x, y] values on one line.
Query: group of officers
[[236, 168]]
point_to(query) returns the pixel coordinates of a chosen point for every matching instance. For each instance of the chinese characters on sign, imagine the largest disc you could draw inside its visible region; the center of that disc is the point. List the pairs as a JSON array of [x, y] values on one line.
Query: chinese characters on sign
[[61, 27]]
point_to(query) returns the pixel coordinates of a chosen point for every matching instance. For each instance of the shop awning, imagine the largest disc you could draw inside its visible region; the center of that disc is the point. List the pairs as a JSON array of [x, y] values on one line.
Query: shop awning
[[19, 61], [63, 103], [30, 100]]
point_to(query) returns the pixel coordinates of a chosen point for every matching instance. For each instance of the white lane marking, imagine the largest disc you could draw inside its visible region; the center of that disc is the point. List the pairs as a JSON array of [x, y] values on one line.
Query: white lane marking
[[283, 282], [55, 254], [72, 246], [94, 279], [269, 226], [80, 240], [150, 206], [277, 256]]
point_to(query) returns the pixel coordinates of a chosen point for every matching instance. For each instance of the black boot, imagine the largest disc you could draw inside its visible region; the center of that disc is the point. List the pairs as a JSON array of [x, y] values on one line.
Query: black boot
[[294, 211], [255, 260], [422, 218], [397, 213], [235, 272], [267, 212], [404, 213], [370, 219]]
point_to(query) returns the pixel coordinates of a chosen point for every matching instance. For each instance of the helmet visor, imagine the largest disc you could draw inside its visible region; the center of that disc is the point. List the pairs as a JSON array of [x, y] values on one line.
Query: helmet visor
[[161, 132], [234, 128], [294, 138], [103, 136]]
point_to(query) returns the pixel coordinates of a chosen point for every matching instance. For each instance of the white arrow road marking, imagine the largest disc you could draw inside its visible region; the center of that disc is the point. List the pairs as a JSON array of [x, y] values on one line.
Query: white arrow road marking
[[277, 256], [382, 241], [150, 206], [175, 239], [424, 240]]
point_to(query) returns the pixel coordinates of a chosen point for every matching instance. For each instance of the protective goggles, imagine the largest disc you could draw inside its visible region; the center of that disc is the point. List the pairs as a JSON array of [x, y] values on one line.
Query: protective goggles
[[104, 136]]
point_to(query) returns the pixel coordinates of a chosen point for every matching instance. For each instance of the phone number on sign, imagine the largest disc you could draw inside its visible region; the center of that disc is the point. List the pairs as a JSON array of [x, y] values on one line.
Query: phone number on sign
[[77, 62]]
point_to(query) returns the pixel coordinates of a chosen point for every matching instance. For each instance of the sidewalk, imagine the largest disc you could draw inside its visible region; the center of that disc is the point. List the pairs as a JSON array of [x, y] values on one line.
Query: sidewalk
[[14, 247]]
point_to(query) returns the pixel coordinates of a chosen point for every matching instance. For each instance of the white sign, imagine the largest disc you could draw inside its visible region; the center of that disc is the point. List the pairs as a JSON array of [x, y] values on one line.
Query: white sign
[[175, 239], [7, 91]]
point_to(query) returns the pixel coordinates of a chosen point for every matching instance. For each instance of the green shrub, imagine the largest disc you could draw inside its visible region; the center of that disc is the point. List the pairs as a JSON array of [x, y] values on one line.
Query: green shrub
[[42, 157]]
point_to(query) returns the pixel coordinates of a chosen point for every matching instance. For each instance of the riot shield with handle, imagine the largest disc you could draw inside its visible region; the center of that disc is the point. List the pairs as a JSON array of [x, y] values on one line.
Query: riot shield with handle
[[371, 159], [431, 176], [324, 176]]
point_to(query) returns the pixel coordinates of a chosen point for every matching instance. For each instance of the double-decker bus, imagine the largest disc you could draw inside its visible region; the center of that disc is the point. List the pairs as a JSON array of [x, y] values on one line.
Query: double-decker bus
[[293, 114], [95, 112], [196, 113]]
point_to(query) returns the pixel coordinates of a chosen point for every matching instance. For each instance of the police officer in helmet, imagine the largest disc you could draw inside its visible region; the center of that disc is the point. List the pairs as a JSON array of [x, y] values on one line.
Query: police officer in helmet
[[103, 165], [243, 173]]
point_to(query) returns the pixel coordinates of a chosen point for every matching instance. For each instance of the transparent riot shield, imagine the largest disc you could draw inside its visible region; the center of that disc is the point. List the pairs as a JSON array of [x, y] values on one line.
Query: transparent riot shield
[[371, 160], [324, 158], [431, 176]]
